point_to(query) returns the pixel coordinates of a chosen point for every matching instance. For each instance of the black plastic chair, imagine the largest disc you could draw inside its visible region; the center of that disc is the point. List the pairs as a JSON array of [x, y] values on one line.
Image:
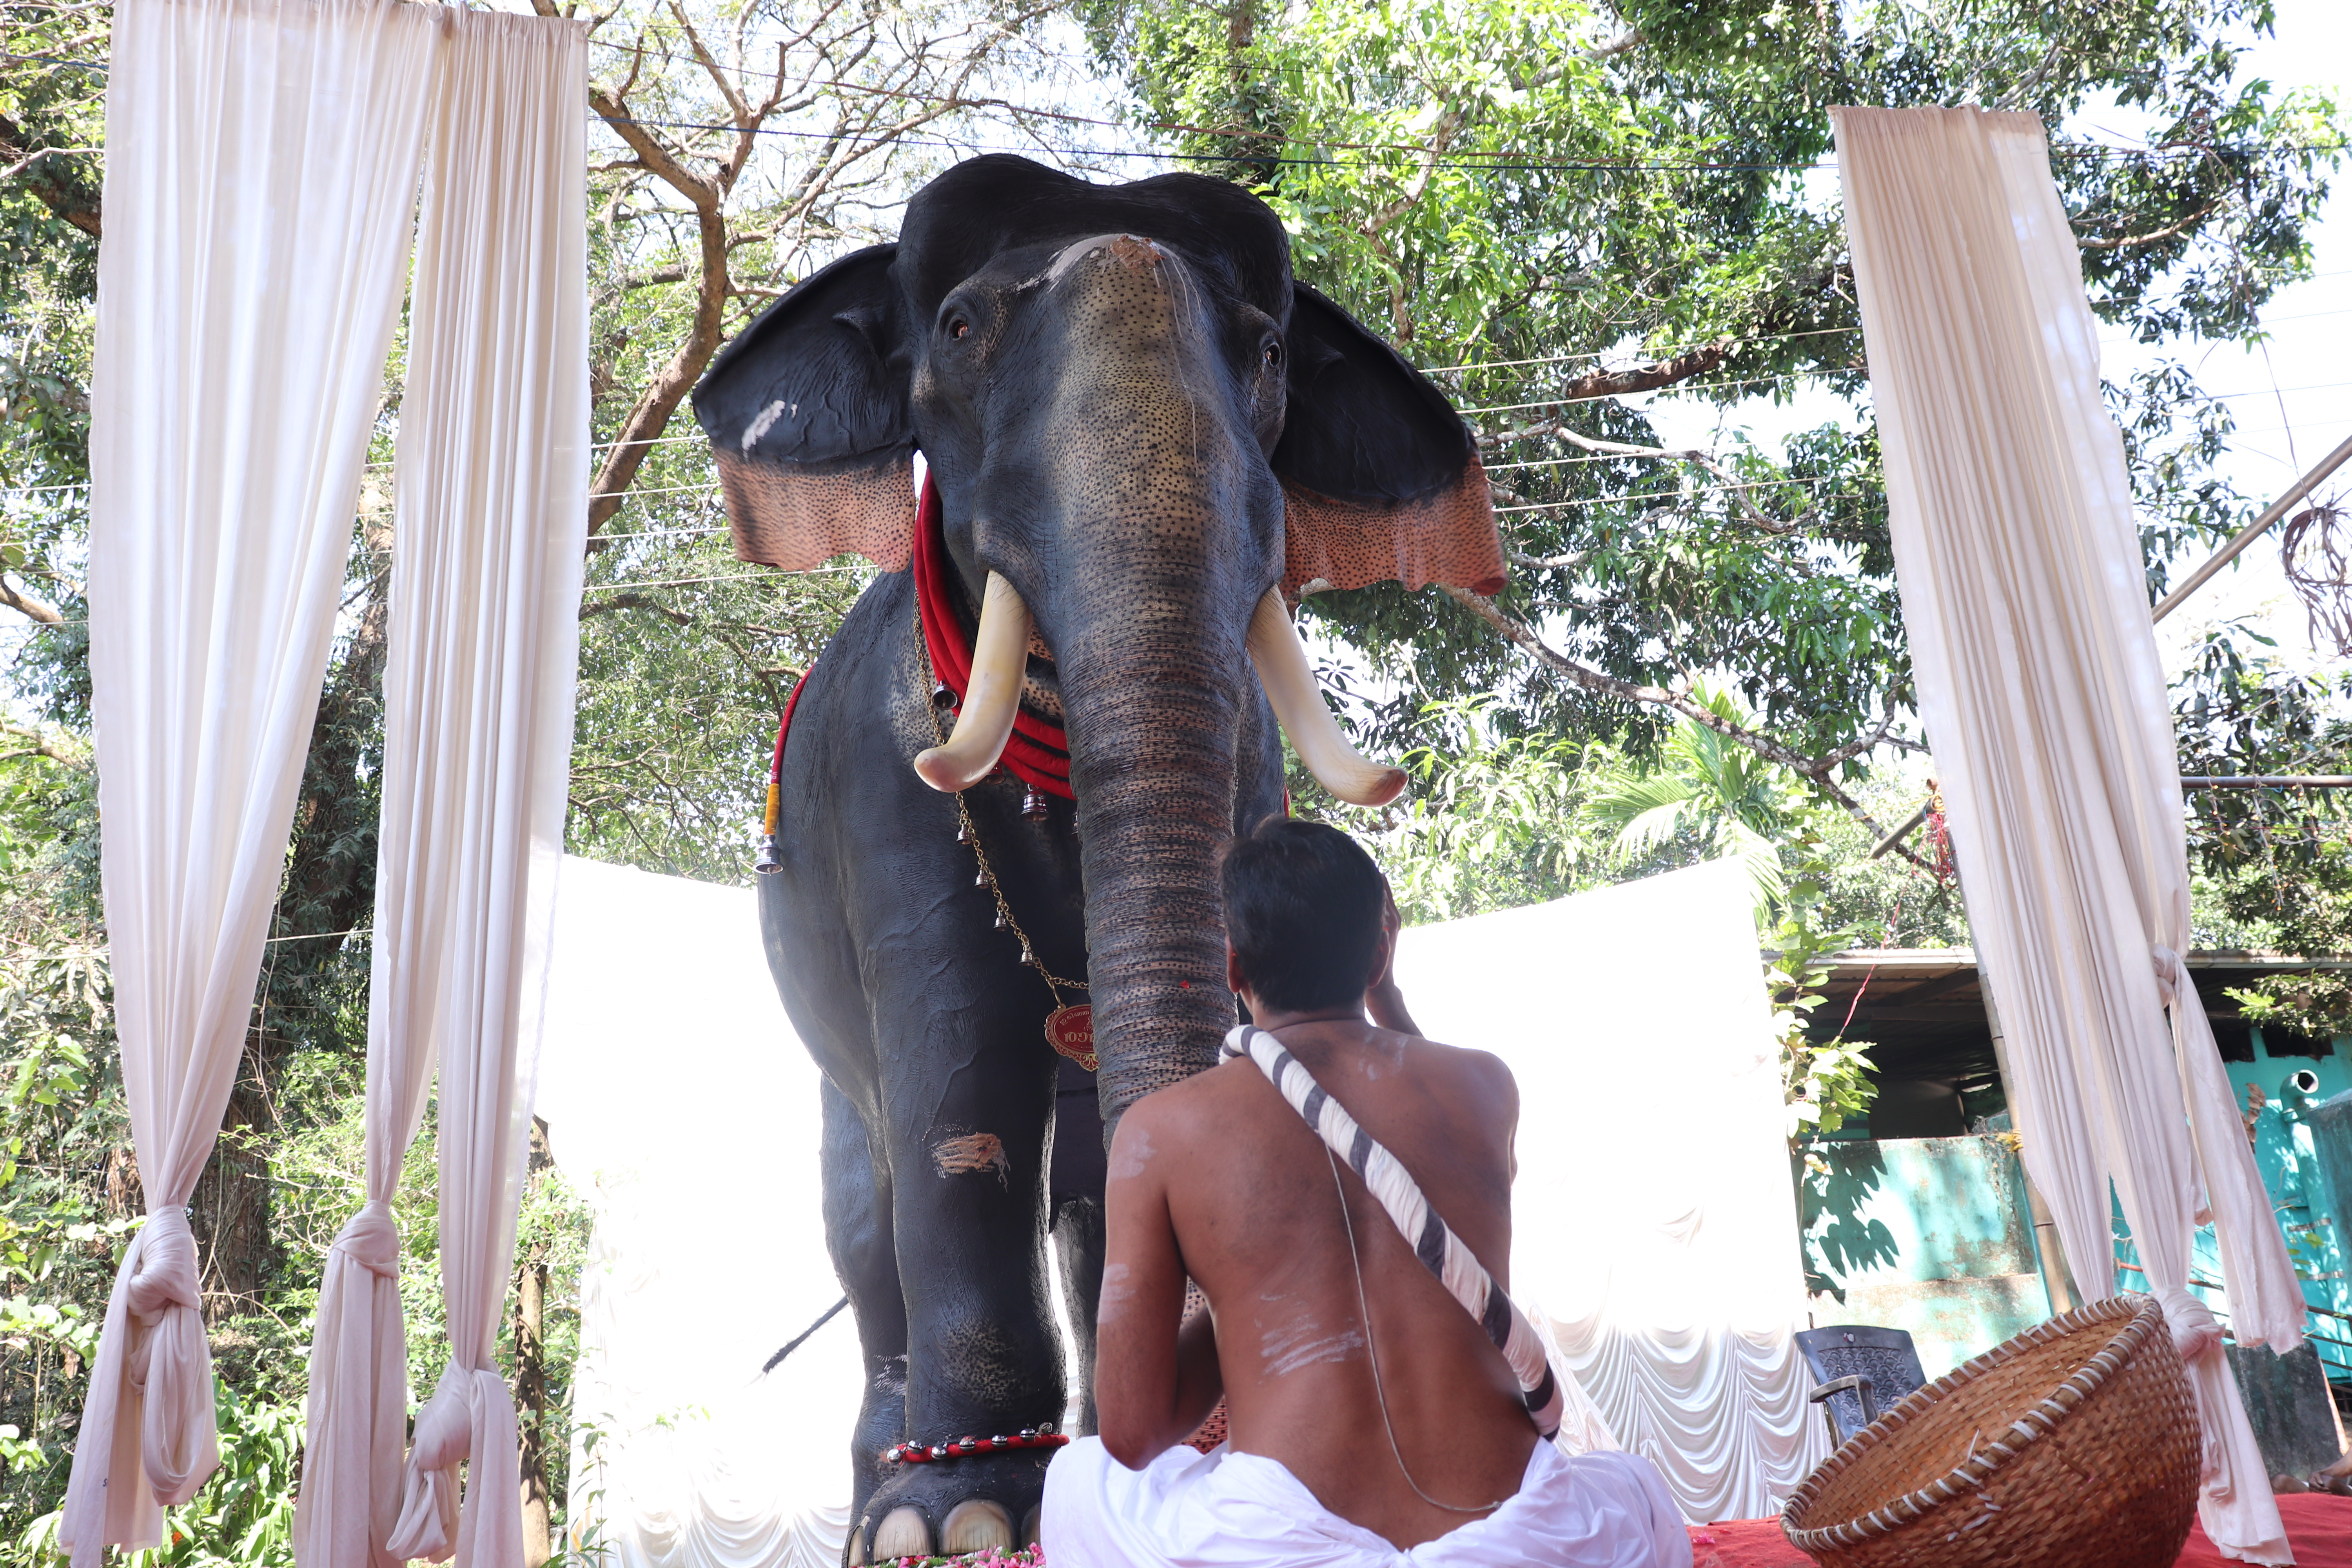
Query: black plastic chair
[[1858, 1370]]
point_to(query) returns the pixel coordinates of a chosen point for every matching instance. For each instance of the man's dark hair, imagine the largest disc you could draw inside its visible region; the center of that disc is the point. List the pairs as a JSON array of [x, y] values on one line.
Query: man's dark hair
[[1304, 906]]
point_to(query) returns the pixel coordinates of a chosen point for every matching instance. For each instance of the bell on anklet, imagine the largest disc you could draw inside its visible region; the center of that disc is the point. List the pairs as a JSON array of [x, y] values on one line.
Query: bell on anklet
[[963, 833], [765, 862], [1028, 957], [980, 879], [1001, 923], [1033, 804]]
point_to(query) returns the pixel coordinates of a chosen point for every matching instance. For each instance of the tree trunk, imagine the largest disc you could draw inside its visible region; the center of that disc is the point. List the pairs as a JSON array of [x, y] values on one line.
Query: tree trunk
[[531, 1375], [530, 1396], [232, 1202]]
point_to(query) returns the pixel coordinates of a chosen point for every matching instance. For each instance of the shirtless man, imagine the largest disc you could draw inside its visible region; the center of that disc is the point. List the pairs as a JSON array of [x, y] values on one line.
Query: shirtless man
[[1371, 1419]]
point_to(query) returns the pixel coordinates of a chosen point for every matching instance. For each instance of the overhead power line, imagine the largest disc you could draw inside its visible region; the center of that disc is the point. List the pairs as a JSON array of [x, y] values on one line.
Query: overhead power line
[[1472, 162], [1693, 493]]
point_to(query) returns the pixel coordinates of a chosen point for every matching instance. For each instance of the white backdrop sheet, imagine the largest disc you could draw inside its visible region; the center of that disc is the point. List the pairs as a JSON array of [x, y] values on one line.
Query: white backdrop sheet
[[681, 1105], [1655, 1224], [1656, 1240]]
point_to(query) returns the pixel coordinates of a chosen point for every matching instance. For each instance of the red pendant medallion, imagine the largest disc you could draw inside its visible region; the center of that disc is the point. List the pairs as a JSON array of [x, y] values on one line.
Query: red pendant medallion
[[1071, 1031]]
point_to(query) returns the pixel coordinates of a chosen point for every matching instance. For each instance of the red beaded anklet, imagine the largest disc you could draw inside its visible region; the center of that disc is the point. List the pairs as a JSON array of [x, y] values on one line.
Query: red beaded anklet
[[923, 1454]]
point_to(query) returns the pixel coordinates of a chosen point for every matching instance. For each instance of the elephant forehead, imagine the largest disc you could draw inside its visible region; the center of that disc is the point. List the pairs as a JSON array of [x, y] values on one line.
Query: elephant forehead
[[1133, 251], [985, 209]]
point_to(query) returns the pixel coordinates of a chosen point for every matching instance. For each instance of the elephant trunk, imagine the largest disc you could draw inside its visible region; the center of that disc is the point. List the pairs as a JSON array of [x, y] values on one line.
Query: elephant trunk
[[1153, 725]]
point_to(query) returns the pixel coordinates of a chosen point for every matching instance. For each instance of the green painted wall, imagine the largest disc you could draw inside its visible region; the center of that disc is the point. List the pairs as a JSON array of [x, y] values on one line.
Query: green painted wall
[[2314, 1219], [1934, 1236], [1928, 1235]]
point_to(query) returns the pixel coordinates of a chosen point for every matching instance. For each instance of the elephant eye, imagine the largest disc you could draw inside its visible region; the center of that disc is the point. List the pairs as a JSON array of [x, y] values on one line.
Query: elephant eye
[[959, 328], [1273, 354]]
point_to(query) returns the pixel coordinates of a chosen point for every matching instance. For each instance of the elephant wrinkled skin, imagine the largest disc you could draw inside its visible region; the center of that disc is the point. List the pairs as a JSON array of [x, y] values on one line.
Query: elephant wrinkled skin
[[1137, 425]]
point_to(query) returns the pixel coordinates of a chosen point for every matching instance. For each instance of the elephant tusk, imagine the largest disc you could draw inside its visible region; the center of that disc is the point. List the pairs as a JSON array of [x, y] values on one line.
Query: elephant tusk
[[1000, 653], [1281, 660]]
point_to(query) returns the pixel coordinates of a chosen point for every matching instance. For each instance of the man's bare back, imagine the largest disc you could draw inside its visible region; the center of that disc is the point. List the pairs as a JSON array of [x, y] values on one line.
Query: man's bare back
[[1219, 1178]]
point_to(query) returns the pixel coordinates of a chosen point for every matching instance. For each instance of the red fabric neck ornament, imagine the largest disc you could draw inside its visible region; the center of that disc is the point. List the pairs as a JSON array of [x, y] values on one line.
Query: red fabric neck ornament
[[1038, 753]]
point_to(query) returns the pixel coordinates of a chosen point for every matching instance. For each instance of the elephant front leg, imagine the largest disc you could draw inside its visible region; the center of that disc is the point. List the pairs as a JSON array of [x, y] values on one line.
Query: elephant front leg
[[984, 1358], [1079, 1248], [1078, 1171], [857, 1235]]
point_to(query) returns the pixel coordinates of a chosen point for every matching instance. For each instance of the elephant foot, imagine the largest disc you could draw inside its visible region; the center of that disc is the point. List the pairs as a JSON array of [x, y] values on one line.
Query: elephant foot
[[953, 1506]]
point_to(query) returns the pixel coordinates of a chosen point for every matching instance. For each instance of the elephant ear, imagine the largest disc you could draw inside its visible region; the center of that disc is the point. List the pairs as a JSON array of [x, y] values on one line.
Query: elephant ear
[[807, 415], [1381, 477]]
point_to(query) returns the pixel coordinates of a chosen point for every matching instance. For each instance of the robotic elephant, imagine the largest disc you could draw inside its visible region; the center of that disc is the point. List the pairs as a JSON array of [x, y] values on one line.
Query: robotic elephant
[[1006, 779]]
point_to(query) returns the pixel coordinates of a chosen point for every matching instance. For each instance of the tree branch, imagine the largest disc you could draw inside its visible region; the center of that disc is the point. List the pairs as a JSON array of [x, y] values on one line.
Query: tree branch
[[2154, 236], [636, 602], [1649, 377], [29, 159], [1629, 40], [1734, 485], [30, 606], [1813, 770], [57, 747], [59, 191], [1600, 384]]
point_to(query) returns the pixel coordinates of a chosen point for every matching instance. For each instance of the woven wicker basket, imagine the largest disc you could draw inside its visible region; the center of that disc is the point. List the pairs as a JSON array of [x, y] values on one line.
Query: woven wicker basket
[[2073, 1446]]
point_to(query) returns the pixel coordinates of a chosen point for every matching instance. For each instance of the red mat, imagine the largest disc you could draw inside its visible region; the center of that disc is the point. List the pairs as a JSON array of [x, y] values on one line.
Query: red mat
[[2319, 1529]]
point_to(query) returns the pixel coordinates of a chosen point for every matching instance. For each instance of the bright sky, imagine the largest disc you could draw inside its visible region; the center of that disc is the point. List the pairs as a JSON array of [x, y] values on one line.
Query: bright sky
[[2292, 396]]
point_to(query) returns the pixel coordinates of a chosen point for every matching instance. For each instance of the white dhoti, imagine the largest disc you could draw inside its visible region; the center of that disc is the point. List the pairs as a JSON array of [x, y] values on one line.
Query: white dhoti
[[1224, 1510]]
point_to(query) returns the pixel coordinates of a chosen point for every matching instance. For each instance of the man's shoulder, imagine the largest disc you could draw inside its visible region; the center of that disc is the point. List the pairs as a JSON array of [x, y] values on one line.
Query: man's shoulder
[[1181, 1107], [1208, 1093], [1482, 1071]]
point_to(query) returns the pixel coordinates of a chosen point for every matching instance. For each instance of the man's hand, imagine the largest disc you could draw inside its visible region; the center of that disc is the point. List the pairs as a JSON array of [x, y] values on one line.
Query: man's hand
[[1383, 1003]]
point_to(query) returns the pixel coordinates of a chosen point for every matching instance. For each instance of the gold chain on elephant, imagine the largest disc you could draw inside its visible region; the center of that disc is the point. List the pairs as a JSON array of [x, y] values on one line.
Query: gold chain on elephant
[[1069, 1029]]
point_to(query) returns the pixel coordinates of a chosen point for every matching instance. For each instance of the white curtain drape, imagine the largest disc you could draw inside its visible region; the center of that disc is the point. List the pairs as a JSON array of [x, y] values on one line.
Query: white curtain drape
[[261, 158], [492, 507], [2043, 695]]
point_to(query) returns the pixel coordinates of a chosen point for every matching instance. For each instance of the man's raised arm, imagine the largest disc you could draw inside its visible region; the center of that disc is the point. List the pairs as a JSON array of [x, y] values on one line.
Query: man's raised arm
[[1156, 1375]]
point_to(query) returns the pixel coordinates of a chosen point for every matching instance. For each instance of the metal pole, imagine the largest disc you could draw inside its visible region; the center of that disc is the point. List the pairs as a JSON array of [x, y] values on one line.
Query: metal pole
[[2187, 781], [2056, 1278], [1900, 832], [2255, 530]]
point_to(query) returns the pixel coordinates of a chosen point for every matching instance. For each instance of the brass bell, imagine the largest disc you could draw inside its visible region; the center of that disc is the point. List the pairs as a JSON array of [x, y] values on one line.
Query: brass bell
[[1033, 804], [766, 862], [941, 698], [963, 834], [980, 879], [1026, 956], [1001, 923]]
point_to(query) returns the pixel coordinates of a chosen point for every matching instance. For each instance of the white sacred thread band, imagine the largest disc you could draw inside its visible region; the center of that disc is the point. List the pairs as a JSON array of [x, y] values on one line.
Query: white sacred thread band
[[1432, 1240]]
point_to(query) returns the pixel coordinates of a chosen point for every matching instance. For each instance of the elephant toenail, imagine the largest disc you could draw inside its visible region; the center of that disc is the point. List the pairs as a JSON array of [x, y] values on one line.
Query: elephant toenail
[[853, 1555], [902, 1533], [1031, 1529], [976, 1524]]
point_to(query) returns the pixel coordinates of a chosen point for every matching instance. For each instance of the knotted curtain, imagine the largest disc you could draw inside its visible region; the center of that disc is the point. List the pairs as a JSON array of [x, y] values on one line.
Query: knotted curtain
[[2027, 607], [490, 486], [261, 160]]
